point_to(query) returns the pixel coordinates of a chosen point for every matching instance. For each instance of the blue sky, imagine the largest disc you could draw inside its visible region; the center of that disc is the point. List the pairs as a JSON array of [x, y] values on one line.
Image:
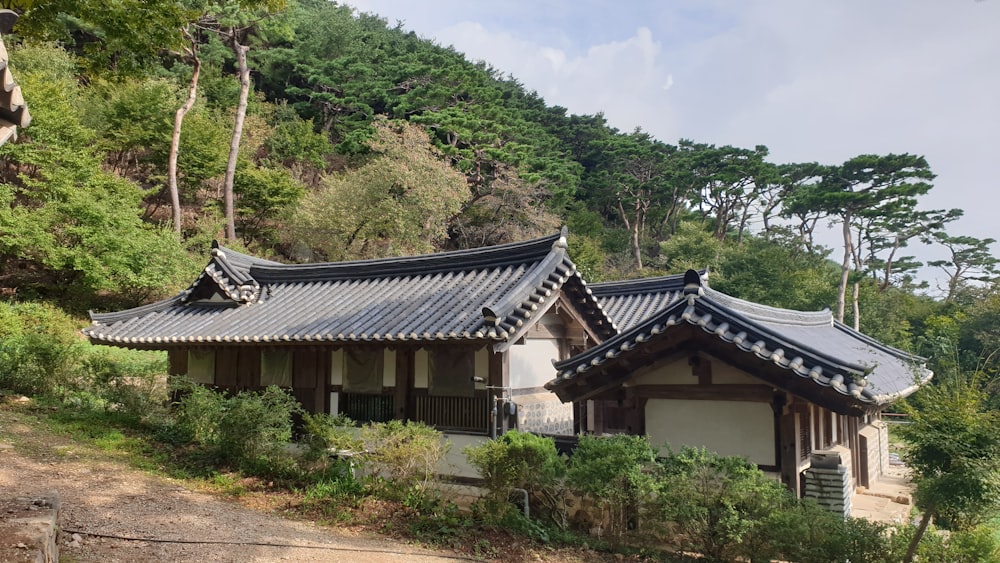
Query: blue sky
[[813, 81]]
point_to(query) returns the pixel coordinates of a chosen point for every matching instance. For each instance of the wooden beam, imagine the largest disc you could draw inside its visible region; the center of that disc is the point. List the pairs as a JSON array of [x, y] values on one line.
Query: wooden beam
[[567, 305], [736, 392]]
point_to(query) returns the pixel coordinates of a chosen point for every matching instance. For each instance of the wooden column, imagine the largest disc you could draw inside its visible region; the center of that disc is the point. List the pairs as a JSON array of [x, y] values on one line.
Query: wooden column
[[405, 365], [788, 453], [322, 389]]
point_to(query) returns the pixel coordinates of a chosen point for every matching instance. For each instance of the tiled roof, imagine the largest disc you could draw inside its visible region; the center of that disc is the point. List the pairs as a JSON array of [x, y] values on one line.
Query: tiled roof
[[491, 294], [812, 346], [632, 301], [13, 110]]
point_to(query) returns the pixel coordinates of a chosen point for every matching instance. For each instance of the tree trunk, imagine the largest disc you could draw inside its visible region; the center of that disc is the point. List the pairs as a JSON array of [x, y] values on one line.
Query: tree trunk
[[912, 550], [845, 270], [175, 141], [856, 308], [234, 144]]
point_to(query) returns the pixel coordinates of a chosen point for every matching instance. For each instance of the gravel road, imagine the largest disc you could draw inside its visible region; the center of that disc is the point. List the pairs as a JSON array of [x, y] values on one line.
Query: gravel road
[[103, 498]]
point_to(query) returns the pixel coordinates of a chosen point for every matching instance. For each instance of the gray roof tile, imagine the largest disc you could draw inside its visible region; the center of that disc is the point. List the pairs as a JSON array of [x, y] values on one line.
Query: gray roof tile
[[240, 299], [808, 344]]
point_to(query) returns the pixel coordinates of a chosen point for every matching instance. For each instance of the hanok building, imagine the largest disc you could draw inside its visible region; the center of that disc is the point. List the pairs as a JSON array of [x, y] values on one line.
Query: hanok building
[[460, 340], [693, 366], [13, 110]]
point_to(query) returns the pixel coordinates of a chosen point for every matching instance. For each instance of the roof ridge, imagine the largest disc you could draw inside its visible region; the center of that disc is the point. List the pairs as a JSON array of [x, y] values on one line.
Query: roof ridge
[[640, 285], [424, 264], [766, 313]]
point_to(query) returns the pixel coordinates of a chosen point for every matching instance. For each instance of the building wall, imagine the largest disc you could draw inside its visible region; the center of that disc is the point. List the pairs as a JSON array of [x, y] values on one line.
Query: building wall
[[724, 427], [538, 410], [874, 443]]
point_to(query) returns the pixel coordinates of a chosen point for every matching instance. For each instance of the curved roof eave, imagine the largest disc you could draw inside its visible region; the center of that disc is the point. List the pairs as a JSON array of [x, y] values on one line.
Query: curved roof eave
[[804, 360]]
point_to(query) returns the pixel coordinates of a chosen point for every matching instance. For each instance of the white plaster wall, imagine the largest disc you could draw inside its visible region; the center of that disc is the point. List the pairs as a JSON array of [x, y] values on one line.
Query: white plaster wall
[[725, 374], [420, 379], [724, 427], [454, 464], [388, 368], [677, 372], [337, 367], [531, 362]]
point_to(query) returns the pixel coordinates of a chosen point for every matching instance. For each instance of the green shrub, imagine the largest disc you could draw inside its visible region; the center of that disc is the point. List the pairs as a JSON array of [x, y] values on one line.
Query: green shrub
[[199, 413], [405, 454], [615, 473], [257, 426], [130, 381], [250, 430], [322, 433], [39, 349], [720, 506], [521, 460], [37, 364]]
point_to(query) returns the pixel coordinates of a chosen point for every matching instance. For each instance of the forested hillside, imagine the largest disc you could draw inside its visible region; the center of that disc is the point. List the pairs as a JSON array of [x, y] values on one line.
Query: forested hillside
[[302, 131]]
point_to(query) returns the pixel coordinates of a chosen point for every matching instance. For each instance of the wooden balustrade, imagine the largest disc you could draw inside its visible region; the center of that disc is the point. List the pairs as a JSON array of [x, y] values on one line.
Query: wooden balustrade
[[366, 408], [470, 414]]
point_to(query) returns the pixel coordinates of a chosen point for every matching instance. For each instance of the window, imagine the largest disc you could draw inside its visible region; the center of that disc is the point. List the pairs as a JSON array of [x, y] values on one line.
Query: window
[[276, 368], [363, 371], [201, 366], [452, 372]]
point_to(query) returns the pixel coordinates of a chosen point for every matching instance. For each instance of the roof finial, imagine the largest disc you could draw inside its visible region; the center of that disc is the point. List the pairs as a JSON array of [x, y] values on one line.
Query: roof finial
[[692, 283], [561, 242]]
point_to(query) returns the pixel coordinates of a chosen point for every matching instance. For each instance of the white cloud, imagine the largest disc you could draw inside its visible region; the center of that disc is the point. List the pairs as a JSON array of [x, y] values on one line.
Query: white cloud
[[814, 81]]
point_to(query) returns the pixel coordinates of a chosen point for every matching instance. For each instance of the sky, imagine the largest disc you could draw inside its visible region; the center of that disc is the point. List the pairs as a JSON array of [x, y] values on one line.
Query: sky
[[814, 81]]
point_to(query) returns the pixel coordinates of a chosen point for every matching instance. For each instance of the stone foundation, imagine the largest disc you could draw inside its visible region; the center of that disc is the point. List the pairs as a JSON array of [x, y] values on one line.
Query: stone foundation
[[29, 528]]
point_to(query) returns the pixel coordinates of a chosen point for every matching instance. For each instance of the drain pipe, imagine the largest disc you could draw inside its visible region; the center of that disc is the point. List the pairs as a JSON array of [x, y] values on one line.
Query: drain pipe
[[524, 492]]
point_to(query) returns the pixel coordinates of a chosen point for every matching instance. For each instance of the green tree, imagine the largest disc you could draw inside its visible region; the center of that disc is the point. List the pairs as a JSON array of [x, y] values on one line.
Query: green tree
[[68, 228], [864, 188], [635, 177], [953, 447], [397, 201], [970, 260]]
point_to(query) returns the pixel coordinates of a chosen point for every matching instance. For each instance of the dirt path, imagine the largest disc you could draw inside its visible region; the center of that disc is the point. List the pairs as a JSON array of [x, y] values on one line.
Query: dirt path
[[112, 499]]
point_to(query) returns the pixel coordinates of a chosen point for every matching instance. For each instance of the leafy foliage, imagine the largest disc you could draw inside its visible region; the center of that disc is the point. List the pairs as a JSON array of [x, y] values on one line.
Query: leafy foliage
[[397, 202], [615, 472], [405, 454]]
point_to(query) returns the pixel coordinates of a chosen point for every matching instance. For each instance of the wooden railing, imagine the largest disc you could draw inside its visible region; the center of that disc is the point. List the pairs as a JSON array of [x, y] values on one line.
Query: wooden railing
[[366, 408], [470, 414]]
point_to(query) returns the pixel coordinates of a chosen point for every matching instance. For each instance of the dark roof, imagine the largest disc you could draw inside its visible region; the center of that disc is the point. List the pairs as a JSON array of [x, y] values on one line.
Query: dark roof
[[489, 294], [809, 345], [13, 110], [630, 302]]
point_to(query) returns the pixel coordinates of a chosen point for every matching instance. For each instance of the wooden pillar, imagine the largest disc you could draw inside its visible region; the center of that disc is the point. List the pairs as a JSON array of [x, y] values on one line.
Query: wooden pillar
[[788, 453], [855, 446], [405, 365], [322, 389]]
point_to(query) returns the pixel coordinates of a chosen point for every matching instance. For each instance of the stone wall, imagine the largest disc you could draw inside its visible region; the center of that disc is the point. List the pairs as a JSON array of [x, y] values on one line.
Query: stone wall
[[544, 413], [874, 443], [829, 481]]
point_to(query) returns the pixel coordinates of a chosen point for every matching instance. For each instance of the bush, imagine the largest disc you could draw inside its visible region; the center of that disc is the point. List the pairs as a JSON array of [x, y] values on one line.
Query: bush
[[406, 454], [39, 349], [199, 413], [257, 426], [322, 433], [129, 381], [250, 430], [721, 506], [521, 460], [615, 473]]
